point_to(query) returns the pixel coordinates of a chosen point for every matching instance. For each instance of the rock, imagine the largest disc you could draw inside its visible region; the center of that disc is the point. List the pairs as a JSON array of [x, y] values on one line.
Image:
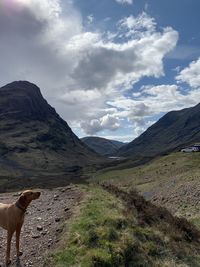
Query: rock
[[50, 241], [59, 230], [66, 209], [39, 228], [29, 263], [57, 219], [68, 187], [44, 233], [35, 236]]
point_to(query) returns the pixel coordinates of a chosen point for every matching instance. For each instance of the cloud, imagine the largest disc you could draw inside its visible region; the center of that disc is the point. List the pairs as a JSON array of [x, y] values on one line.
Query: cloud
[[155, 100], [140, 125], [34, 34], [191, 74], [137, 25], [129, 2], [152, 101], [108, 122], [140, 110], [90, 18], [115, 65], [84, 74]]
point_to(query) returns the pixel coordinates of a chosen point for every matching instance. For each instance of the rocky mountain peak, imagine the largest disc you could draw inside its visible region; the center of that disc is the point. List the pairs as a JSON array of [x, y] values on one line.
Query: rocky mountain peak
[[34, 139], [23, 100]]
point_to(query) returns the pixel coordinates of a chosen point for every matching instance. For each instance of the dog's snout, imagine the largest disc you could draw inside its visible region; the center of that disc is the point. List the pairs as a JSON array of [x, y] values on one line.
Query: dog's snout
[[37, 194]]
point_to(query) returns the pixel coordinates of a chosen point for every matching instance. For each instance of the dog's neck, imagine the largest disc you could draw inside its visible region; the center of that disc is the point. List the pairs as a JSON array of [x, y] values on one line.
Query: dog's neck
[[18, 205], [22, 203]]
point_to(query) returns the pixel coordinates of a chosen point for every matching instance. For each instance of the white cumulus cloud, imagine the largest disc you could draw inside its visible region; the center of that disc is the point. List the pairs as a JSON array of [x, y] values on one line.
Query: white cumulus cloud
[[129, 2], [191, 74], [80, 72], [108, 122]]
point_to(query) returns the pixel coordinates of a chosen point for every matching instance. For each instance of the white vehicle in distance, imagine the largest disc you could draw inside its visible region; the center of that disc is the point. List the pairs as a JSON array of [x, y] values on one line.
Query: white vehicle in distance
[[190, 149]]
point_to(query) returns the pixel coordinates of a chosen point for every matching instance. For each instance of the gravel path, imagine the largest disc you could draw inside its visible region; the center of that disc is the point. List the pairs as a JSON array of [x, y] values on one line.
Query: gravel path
[[43, 225]]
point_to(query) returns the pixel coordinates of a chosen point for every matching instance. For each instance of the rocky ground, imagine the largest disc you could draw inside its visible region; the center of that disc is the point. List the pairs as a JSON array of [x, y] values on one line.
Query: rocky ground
[[181, 198], [43, 225]]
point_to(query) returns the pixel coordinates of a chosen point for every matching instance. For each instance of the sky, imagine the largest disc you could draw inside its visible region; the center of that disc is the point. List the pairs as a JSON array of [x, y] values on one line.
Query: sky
[[111, 68]]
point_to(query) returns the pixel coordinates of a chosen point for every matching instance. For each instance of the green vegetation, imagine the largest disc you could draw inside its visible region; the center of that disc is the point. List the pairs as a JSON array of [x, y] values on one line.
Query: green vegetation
[[95, 235], [184, 166], [171, 181], [196, 222], [107, 232]]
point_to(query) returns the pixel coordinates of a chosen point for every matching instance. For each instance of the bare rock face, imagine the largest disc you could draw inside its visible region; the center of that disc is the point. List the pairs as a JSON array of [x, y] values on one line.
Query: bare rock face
[[33, 137]]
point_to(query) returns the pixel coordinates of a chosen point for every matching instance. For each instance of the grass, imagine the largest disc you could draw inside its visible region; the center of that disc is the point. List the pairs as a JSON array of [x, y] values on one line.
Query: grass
[[181, 165], [95, 233], [107, 232], [196, 222], [167, 180], [117, 227]]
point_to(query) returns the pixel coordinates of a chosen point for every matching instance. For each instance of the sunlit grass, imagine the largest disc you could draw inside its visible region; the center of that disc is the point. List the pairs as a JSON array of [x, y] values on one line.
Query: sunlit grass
[[105, 234]]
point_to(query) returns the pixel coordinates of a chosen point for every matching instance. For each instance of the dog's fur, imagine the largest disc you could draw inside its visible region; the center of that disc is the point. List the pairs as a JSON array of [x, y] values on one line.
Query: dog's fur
[[12, 218]]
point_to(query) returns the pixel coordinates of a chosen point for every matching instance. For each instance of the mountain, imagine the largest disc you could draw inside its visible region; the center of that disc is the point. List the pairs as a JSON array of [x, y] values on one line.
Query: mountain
[[102, 146], [33, 137], [173, 131]]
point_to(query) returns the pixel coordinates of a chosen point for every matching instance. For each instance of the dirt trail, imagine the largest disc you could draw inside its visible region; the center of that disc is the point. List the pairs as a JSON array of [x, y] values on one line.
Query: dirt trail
[[43, 225]]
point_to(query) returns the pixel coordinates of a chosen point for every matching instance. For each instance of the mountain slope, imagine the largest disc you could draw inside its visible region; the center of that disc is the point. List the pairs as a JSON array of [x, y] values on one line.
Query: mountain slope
[[172, 131], [33, 138], [102, 146]]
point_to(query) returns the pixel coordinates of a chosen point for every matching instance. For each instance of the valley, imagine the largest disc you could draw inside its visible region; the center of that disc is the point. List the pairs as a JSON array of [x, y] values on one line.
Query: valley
[[111, 208]]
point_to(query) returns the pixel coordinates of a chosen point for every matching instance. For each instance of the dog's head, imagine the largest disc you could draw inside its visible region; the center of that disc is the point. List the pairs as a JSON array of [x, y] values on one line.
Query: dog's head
[[30, 195], [27, 196]]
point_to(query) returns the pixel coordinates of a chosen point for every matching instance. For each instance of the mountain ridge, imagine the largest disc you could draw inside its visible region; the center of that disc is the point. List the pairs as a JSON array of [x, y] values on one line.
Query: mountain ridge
[[102, 146], [33, 137], [174, 130]]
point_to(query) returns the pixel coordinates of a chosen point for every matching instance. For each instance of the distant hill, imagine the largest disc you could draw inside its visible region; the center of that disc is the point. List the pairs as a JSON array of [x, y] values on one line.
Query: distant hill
[[102, 146], [173, 131], [33, 137]]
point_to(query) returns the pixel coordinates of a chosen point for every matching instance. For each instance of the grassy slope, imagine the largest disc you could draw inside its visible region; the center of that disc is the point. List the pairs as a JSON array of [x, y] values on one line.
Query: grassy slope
[[171, 181], [116, 231], [106, 233]]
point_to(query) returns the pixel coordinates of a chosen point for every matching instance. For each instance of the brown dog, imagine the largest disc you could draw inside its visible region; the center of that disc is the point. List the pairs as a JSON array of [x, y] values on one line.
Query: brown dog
[[12, 218]]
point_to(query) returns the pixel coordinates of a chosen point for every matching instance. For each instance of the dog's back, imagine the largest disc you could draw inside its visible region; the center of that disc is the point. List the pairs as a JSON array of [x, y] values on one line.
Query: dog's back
[[7, 216], [4, 215]]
